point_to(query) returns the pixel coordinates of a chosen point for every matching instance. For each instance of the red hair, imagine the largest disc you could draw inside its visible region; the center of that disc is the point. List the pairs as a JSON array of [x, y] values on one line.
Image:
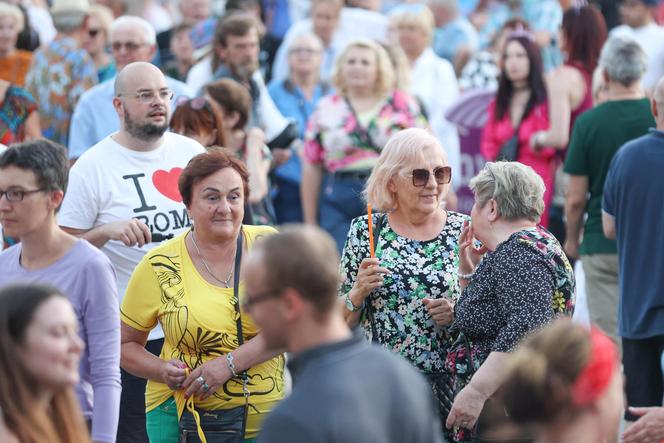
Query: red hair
[[585, 33]]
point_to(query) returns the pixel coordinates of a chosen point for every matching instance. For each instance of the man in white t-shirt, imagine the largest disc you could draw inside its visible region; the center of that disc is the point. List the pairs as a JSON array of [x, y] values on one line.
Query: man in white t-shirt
[[639, 23], [123, 191]]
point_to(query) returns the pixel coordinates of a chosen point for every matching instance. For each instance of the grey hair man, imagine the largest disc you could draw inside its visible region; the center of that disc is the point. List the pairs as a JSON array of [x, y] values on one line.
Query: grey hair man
[[632, 212], [597, 135], [123, 197], [132, 39], [62, 71], [292, 297]]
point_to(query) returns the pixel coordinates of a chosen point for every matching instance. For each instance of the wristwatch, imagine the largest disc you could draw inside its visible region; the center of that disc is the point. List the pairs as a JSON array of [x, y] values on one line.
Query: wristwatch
[[349, 304]]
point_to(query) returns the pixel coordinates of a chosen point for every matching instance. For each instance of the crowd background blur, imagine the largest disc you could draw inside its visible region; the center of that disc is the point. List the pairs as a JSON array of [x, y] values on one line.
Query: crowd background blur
[[307, 94]]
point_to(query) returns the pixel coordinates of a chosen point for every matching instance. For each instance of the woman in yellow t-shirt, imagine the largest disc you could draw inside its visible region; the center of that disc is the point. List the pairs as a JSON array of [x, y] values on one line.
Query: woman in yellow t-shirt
[[191, 286]]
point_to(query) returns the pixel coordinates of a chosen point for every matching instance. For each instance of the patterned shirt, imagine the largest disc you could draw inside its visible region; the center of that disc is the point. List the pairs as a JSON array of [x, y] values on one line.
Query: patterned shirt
[[59, 74], [336, 139], [15, 109], [419, 269], [522, 285]]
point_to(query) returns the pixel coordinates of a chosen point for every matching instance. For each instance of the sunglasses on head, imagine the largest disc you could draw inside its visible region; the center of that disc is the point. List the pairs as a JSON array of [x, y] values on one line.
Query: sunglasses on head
[[442, 175], [196, 103]]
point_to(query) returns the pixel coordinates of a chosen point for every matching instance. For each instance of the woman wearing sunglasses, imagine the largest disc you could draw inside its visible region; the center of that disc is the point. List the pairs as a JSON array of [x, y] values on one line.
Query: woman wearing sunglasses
[[523, 283], [403, 297]]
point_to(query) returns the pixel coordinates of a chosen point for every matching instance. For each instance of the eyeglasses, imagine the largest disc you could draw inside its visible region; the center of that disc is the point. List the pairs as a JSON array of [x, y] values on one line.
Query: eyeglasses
[[93, 32], [196, 103], [304, 51], [130, 46], [146, 97], [442, 175], [249, 302], [16, 195]]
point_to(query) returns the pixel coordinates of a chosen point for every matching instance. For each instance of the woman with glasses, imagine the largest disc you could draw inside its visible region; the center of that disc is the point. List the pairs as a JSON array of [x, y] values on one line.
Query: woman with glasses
[[33, 179], [519, 110], [516, 282], [403, 295], [100, 19], [214, 374]]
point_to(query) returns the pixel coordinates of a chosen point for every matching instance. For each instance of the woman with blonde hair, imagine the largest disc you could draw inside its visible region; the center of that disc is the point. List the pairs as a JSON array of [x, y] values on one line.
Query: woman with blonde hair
[[100, 19], [565, 382], [39, 355], [14, 63], [402, 297], [346, 134]]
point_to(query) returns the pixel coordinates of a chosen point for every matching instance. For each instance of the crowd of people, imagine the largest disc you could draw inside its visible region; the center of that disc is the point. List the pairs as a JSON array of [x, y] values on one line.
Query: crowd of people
[[241, 221]]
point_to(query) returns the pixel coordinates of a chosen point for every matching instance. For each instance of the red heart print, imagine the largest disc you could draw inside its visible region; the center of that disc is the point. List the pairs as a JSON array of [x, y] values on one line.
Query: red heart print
[[166, 183]]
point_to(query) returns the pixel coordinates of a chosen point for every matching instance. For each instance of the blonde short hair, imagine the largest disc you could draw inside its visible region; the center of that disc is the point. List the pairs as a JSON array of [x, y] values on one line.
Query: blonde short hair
[[401, 150], [104, 16], [7, 9], [517, 189], [385, 81], [420, 17]]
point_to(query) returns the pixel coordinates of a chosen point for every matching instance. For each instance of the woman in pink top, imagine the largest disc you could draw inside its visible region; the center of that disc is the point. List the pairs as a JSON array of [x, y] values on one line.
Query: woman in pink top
[[521, 104]]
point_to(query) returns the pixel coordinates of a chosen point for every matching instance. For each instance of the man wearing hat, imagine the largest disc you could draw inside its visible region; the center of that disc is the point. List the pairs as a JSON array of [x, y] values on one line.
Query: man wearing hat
[[62, 71], [639, 23]]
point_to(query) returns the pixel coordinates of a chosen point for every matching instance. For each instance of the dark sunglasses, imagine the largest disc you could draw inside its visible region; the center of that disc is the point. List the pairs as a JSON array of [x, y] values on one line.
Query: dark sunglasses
[[442, 175], [249, 302], [93, 32], [196, 103]]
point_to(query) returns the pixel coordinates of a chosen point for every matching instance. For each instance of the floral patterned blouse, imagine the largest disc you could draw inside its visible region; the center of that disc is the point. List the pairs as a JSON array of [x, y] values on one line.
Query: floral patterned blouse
[[419, 269], [337, 140], [522, 285]]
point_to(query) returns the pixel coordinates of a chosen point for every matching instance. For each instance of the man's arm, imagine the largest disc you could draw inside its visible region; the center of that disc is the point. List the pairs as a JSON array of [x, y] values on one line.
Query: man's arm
[[609, 225], [647, 429], [576, 199], [130, 232]]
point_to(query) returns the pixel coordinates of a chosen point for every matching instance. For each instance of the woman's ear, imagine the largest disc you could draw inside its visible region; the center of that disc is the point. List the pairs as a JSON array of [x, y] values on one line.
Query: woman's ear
[[493, 210]]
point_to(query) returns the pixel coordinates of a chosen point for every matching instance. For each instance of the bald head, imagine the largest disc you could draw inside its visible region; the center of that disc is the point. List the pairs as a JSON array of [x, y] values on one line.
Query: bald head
[[139, 75]]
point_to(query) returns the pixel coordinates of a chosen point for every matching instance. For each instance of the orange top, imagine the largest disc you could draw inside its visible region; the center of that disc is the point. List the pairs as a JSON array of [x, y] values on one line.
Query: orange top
[[14, 67]]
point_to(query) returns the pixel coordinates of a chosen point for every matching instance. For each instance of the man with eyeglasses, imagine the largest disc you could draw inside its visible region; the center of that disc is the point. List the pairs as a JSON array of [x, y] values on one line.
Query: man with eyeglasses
[[124, 191], [132, 39], [62, 71], [292, 297]]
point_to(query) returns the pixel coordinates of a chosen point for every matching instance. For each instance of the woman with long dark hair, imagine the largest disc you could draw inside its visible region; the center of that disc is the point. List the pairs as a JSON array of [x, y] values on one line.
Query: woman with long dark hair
[[39, 356], [519, 110]]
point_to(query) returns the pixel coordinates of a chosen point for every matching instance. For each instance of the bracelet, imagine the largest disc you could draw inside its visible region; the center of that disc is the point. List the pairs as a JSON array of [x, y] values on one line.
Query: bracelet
[[466, 276], [231, 365]]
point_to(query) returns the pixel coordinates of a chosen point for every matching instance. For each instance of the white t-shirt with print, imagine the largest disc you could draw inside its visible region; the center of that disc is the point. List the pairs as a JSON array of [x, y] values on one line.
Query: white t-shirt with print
[[110, 182]]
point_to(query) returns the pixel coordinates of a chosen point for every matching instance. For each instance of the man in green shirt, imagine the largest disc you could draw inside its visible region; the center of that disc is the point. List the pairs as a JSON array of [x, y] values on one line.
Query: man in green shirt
[[596, 137]]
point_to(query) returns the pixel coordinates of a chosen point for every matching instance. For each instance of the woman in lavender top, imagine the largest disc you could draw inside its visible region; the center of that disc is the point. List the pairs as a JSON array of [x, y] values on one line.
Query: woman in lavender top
[[33, 179]]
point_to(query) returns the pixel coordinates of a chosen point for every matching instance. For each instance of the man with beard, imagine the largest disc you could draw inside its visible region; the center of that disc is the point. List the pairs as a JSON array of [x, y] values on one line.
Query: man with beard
[[132, 39], [123, 198]]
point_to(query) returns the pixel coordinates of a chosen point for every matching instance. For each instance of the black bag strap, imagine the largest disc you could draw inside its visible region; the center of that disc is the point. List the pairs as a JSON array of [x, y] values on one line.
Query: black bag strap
[[238, 323], [363, 132], [367, 302]]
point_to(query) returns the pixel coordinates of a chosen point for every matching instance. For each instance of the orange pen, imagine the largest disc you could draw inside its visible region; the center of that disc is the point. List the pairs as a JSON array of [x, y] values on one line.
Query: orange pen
[[371, 239]]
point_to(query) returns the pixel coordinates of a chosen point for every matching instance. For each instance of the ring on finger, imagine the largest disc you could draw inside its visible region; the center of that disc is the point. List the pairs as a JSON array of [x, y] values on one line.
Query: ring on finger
[[200, 380], [206, 387]]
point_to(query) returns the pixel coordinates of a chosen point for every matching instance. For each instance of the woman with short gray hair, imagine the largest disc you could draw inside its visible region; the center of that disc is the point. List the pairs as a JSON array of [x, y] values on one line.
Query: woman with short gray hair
[[516, 282]]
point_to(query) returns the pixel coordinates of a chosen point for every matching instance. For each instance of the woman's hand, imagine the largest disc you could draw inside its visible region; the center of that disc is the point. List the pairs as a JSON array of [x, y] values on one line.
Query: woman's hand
[[173, 373], [535, 143], [369, 277], [469, 254], [466, 408], [207, 378], [441, 310]]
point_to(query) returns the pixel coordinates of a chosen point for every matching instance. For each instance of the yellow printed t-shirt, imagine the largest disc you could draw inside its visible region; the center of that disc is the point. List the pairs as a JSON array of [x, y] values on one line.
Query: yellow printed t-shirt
[[198, 319]]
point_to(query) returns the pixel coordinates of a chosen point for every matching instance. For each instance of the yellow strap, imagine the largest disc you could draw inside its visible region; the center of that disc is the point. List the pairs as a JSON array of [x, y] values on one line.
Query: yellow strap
[[189, 404]]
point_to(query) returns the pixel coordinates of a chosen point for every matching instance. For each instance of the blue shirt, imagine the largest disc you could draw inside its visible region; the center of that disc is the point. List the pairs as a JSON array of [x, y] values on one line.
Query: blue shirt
[[95, 117], [449, 37], [633, 196], [292, 103]]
